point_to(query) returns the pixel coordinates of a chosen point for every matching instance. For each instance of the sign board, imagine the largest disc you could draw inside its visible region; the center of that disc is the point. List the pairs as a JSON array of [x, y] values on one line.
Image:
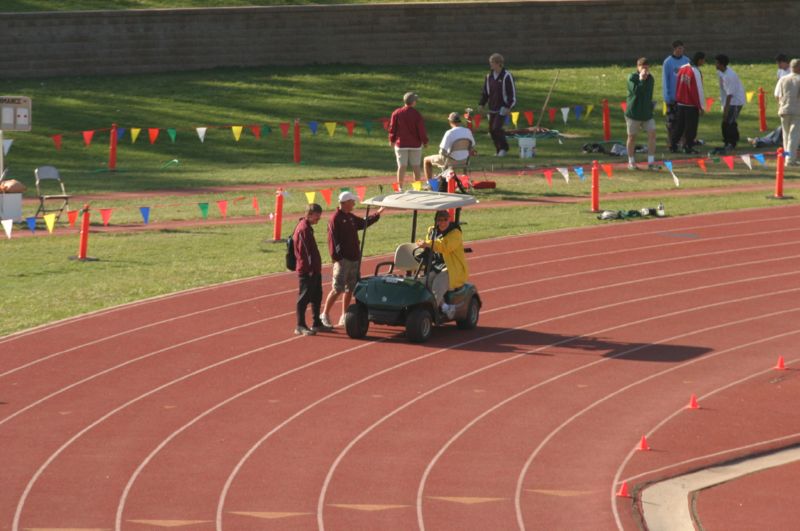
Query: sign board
[[15, 113]]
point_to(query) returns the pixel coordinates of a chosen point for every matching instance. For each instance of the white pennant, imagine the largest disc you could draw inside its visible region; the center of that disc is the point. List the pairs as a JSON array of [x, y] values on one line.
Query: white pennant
[[201, 132], [565, 113], [7, 145], [7, 225], [565, 173], [746, 160], [675, 179]]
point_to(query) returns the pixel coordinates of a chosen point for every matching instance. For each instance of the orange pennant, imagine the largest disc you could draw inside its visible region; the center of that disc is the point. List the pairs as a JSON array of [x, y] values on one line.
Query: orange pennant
[[608, 169], [285, 129], [548, 174], [350, 125], [57, 141], [529, 117], [255, 204], [326, 195], [222, 205], [105, 214], [702, 164], [361, 191], [256, 130], [153, 133], [87, 137], [728, 161]]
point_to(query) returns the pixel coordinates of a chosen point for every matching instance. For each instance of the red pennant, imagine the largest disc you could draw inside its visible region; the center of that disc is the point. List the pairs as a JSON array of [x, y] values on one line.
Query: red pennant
[[256, 130], [476, 120], [464, 179], [350, 125], [105, 213], [72, 216], [222, 205], [385, 123], [395, 187], [728, 161], [153, 133], [624, 105], [529, 117], [548, 174], [57, 141], [702, 164], [87, 137], [608, 169], [326, 195], [285, 129], [709, 103], [361, 191], [552, 112]]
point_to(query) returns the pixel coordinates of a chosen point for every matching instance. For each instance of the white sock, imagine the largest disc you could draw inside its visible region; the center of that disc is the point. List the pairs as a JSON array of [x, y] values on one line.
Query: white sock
[[631, 160], [651, 159]]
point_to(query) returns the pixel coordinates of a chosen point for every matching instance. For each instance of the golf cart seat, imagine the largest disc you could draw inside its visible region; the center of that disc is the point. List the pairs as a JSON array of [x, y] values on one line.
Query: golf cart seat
[[403, 260]]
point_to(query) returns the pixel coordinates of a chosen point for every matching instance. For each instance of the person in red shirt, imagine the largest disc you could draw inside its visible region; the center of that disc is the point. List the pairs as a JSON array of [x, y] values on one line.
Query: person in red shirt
[[407, 136], [690, 98], [309, 272]]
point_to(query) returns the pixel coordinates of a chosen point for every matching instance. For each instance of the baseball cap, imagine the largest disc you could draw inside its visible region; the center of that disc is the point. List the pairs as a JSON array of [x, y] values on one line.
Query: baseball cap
[[454, 117], [410, 97], [347, 196]]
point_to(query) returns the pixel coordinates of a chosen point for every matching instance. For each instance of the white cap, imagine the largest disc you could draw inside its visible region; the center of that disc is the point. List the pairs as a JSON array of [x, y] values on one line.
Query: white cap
[[347, 196]]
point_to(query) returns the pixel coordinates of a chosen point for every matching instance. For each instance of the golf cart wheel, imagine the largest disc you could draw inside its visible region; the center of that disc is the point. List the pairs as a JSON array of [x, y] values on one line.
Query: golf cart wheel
[[356, 321], [419, 325], [473, 311]]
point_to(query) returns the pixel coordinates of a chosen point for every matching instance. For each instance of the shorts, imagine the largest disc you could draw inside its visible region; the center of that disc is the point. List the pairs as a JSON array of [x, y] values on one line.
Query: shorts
[[345, 275], [634, 126], [406, 156]]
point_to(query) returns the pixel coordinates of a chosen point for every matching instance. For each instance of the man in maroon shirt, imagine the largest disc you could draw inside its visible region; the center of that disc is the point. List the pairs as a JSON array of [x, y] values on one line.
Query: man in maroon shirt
[[407, 136], [500, 95], [345, 252], [309, 271]]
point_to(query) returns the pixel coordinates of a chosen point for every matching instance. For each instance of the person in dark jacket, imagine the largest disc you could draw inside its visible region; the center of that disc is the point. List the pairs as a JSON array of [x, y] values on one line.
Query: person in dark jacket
[[309, 272], [500, 95], [345, 251]]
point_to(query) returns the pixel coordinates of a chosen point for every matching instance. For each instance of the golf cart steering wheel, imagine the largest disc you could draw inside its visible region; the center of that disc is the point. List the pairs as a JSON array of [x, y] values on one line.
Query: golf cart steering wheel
[[419, 254]]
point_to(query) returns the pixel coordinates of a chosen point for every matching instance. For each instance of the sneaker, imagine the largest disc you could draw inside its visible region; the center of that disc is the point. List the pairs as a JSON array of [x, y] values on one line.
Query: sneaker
[[304, 331], [326, 321], [321, 328], [501, 153], [341, 320], [632, 166], [660, 210]]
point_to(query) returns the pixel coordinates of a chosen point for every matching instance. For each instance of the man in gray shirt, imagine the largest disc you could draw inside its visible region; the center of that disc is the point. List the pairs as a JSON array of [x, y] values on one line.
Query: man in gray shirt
[[788, 93]]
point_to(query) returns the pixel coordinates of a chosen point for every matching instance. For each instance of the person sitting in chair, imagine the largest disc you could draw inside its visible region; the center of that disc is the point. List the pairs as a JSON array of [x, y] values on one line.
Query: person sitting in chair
[[445, 238], [456, 132]]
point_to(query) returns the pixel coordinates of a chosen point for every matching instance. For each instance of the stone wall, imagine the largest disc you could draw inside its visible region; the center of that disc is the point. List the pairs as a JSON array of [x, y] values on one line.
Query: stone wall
[[119, 42]]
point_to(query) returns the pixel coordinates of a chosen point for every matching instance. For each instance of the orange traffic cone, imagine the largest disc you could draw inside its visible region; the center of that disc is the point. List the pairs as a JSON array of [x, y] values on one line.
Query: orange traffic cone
[[643, 444], [781, 366], [623, 491], [693, 403]]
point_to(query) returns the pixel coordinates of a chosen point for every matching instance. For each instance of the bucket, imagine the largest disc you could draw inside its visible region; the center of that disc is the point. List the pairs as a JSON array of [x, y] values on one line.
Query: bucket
[[527, 147]]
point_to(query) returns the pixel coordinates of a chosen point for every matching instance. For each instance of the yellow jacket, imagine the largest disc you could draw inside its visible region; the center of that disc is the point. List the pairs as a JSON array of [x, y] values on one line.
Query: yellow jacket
[[451, 247]]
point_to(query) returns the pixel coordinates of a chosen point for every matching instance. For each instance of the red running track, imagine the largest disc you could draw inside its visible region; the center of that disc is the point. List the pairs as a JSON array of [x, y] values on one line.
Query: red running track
[[201, 410]]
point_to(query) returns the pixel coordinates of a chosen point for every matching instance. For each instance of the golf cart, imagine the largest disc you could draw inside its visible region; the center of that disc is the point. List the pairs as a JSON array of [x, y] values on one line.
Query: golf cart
[[399, 293]]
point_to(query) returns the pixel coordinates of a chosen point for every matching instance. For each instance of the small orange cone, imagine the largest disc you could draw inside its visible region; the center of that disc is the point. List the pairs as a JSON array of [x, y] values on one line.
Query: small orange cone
[[781, 366], [623, 491], [643, 446], [693, 403]]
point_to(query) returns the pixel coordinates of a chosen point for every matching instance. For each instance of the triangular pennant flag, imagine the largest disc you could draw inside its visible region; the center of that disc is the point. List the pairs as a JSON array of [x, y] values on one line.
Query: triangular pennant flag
[[750, 94], [121, 133], [507, 120], [709, 103], [284, 129], [760, 158], [87, 138], [201, 133], [145, 212], [624, 106], [105, 214], [203, 209], [313, 125], [515, 117], [331, 127], [344, 189], [7, 145], [173, 134], [565, 114], [361, 192], [529, 117], [464, 180], [310, 197], [237, 132], [222, 205], [50, 222], [728, 161], [578, 112], [350, 125], [702, 164], [152, 132], [57, 141], [416, 185], [31, 221], [608, 169], [385, 122], [589, 109], [434, 184], [675, 179], [668, 164], [256, 130], [746, 160], [266, 130], [548, 175], [552, 112], [255, 205], [564, 173], [368, 126], [8, 225], [135, 134], [326, 195], [476, 121], [579, 172], [72, 217], [663, 108], [395, 187]]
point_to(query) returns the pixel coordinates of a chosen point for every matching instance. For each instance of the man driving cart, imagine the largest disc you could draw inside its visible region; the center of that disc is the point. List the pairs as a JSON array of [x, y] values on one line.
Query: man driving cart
[[444, 238]]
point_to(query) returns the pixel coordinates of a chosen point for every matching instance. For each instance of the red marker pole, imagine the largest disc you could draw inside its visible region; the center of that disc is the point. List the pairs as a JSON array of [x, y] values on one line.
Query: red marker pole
[[762, 110], [606, 121], [83, 244], [595, 186], [276, 230], [451, 189], [112, 148], [297, 141], [779, 174]]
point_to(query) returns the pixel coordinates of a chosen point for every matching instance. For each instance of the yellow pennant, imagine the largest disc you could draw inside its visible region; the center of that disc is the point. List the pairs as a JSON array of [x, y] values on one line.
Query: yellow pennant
[[664, 108], [310, 196], [237, 131], [416, 185], [514, 118], [750, 94], [331, 127], [135, 134], [589, 109], [50, 221]]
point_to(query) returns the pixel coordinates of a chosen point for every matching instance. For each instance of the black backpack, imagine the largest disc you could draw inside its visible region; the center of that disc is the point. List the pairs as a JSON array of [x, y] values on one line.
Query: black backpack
[[291, 259]]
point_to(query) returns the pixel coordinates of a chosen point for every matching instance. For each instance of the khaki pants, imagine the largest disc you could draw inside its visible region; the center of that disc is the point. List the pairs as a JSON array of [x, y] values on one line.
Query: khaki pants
[[790, 123]]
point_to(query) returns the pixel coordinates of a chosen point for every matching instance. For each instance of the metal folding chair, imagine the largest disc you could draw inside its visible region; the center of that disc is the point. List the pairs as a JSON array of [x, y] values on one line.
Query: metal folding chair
[[47, 201]]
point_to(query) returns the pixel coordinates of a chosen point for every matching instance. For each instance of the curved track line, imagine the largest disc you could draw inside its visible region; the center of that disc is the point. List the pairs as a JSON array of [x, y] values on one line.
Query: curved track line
[[687, 461], [364, 433], [504, 402]]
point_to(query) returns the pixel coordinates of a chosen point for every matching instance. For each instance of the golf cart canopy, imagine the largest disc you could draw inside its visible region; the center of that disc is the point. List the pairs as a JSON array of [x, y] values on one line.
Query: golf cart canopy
[[414, 200]]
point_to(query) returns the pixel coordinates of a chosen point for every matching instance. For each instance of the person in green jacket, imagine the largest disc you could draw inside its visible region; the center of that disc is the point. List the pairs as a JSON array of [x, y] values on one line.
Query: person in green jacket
[[639, 113]]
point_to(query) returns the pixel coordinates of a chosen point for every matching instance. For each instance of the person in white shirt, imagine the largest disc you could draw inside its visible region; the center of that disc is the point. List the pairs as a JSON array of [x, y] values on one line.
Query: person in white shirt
[[775, 137], [731, 94], [789, 111], [456, 132]]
